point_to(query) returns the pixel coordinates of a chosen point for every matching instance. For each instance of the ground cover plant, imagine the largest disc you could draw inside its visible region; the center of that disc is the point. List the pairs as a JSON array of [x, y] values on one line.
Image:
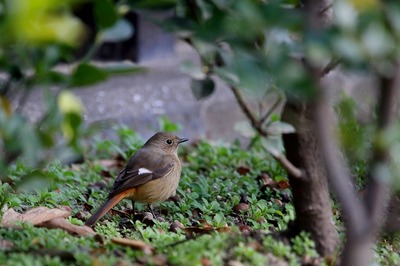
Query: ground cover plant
[[226, 194], [233, 206]]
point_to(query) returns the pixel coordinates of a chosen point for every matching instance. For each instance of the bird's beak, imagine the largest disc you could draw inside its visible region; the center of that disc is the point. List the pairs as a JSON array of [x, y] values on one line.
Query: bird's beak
[[182, 140]]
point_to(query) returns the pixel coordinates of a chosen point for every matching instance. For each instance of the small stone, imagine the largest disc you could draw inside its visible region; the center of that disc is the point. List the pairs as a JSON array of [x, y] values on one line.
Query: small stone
[[160, 219], [147, 216]]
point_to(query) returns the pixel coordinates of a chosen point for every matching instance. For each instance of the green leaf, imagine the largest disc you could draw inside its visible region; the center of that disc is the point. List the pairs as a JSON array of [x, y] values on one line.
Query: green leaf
[[192, 69], [86, 74], [105, 13], [55, 77], [33, 181], [120, 31], [273, 144], [245, 129], [227, 76], [202, 88], [165, 124], [123, 68], [279, 127]]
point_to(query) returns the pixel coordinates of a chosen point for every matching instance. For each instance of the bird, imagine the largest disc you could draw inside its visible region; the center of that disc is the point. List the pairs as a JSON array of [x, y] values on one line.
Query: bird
[[151, 175]]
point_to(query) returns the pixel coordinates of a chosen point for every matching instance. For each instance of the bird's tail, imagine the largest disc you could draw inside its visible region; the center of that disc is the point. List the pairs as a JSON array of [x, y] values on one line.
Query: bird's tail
[[110, 202]]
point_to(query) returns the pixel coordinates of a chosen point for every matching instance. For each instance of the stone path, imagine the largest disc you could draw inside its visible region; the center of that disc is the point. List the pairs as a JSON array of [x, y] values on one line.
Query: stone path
[[140, 100]]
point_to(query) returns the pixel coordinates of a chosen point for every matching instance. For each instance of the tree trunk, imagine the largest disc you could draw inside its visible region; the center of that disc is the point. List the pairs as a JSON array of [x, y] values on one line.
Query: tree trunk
[[310, 192]]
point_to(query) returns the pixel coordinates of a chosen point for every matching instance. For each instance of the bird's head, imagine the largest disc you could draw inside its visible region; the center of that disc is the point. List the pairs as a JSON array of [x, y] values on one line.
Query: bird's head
[[166, 141]]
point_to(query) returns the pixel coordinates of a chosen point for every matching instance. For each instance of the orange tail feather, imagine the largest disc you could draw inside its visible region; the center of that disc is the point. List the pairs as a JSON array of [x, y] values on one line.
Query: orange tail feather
[[111, 202]]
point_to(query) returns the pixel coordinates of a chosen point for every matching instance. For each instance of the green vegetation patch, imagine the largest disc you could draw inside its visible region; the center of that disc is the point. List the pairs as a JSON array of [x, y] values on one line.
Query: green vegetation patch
[[231, 206]]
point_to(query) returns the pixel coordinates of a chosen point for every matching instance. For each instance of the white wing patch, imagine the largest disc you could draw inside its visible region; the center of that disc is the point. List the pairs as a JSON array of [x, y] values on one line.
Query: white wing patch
[[144, 171]]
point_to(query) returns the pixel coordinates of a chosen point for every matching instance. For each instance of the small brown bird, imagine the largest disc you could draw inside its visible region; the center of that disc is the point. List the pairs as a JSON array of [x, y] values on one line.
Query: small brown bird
[[151, 175]]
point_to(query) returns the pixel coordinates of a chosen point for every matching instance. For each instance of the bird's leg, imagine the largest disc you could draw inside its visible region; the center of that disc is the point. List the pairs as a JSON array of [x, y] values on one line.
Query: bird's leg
[[133, 207], [152, 211]]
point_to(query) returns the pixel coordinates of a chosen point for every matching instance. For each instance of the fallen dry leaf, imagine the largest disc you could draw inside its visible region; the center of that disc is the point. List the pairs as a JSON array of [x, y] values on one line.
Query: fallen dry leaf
[[245, 229], [34, 216], [191, 231], [45, 217], [136, 244], [278, 202], [64, 224], [234, 263], [283, 185], [9, 217], [243, 170], [241, 207], [265, 179], [205, 261]]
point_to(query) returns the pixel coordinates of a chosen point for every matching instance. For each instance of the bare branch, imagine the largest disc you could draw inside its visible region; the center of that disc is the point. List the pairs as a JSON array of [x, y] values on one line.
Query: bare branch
[[337, 169], [288, 166]]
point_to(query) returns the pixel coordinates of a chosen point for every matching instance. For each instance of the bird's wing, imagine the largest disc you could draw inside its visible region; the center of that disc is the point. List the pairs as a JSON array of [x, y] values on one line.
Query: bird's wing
[[136, 173]]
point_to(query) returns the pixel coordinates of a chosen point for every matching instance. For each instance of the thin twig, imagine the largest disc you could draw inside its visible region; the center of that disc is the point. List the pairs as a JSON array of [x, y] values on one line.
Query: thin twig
[[257, 125], [329, 67], [269, 112], [249, 114]]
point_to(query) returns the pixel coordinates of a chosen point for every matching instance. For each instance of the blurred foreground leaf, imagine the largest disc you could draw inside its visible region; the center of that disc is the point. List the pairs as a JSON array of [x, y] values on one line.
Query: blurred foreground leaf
[[86, 74], [123, 68], [202, 88], [119, 32], [105, 13]]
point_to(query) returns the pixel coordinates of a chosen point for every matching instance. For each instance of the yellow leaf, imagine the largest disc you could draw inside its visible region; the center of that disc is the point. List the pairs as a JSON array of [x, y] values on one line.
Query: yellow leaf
[[69, 103], [42, 21]]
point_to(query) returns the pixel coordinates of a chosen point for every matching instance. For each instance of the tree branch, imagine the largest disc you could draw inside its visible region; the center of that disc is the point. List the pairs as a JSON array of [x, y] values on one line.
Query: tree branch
[[288, 166], [337, 169], [338, 172], [377, 187], [257, 125]]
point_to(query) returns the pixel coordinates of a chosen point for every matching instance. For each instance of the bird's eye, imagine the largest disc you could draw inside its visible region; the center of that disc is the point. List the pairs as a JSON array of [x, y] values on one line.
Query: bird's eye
[[169, 141]]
